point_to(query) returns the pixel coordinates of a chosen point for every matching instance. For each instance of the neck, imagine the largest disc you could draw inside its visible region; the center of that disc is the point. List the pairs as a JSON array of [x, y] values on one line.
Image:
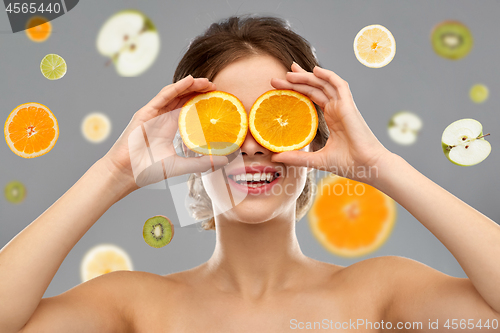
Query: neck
[[255, 259]]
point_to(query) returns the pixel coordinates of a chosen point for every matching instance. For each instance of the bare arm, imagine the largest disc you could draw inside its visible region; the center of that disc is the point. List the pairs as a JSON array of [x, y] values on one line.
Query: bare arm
[[31, 259], [472, 238]]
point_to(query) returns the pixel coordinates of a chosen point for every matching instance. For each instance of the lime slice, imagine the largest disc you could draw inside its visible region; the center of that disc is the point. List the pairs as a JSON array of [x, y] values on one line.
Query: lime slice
[[96, 127], [479, 93], [53, 66]]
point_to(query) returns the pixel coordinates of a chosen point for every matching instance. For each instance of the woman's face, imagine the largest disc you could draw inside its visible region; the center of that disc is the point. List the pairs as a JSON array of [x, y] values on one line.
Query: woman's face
[[247, 79]]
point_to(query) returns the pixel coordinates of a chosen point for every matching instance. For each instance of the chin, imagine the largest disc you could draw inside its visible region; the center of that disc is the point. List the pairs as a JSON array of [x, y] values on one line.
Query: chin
[[247, 213]]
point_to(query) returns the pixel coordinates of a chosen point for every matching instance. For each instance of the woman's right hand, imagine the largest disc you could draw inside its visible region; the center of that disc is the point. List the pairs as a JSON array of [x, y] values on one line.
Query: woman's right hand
[[139, 162]]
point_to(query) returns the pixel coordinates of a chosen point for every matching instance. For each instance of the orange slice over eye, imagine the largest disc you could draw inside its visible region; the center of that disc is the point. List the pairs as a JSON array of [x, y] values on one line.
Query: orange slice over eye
[[213, 123], [283, 120]]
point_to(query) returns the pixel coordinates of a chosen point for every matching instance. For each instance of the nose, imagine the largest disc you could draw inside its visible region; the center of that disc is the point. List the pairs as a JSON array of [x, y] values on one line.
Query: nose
[[251, 147]]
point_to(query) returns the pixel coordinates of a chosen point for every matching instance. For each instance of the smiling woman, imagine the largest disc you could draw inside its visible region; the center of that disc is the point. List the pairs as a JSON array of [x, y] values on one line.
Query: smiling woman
[[239, 39]]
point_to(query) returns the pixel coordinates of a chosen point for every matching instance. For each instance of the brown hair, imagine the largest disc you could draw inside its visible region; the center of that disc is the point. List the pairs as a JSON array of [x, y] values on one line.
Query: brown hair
[[232, 39]]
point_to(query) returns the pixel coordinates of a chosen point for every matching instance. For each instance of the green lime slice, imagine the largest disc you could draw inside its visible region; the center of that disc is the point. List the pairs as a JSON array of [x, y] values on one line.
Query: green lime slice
[[53, 66], [479, 93]]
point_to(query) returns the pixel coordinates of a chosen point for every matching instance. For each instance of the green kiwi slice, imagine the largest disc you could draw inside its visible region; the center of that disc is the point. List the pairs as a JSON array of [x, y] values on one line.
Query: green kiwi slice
[[158, 231], [451, 40], [15, 192]]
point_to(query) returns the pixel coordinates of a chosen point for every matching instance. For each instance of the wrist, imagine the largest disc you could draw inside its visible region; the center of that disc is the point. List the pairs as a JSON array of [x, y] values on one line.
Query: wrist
[[118, 184], [384, 170]]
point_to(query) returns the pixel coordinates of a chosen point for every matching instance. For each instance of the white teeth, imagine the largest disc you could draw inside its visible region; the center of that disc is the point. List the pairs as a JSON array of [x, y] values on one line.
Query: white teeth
[[256, 177]]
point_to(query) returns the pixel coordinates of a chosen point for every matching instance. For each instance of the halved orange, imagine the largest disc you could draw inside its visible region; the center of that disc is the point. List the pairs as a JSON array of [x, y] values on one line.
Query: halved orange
[[31, 130], [38, 29], [374, 46], [350, 218], [282, 120], [213, 123]]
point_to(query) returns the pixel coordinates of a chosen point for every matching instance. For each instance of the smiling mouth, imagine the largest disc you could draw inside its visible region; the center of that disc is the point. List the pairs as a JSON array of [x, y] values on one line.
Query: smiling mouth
[[255, 179]]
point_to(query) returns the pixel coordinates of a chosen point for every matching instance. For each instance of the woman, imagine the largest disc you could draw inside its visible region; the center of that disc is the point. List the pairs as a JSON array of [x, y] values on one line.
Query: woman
[[257, 279]]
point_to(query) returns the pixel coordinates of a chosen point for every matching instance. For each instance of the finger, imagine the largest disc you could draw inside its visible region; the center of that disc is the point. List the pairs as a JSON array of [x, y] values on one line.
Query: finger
[[340, 84], [315, 94], [160, 132], [200, 85], [185, 165], [298, 158], [179, 101], [169, 92], [296, 68], [313, 80], [180, 88]]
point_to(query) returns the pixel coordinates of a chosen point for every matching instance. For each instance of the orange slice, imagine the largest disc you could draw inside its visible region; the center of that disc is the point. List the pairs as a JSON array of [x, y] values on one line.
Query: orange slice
[[31, 130], [350, 218], [374, 46], [38, 29], [213, 123], [283, 120]]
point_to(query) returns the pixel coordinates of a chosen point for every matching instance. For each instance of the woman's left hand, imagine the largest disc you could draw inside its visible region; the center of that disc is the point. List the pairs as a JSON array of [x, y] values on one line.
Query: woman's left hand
[[351, 147]]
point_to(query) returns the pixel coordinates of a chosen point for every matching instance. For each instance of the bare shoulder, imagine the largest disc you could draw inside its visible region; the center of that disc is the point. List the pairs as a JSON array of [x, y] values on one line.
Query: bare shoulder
[[104, 304], [381, 278], [139, 296], [385, 267]]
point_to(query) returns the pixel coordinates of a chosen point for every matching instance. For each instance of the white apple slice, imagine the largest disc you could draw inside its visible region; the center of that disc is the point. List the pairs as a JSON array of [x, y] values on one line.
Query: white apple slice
[[131, 40], [139, 55], [117, 30], [464, 144], [403, 127]]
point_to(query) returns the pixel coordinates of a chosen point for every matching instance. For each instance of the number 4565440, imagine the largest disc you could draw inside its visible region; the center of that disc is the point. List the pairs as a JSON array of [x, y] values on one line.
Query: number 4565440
[[16, 7], [463, 324]]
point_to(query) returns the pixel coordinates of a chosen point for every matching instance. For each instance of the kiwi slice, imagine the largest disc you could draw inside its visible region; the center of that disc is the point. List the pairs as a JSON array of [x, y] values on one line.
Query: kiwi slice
[[451, 40], [158, 231], [15, 192]]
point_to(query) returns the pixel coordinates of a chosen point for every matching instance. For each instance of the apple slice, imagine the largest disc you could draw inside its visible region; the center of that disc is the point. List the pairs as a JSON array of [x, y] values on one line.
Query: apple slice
[[139, 55], [464, 144], [131, 40], [403, 127]]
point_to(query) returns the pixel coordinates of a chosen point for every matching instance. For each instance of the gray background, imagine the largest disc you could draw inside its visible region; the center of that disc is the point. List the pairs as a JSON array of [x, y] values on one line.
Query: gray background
[[416, 80]]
